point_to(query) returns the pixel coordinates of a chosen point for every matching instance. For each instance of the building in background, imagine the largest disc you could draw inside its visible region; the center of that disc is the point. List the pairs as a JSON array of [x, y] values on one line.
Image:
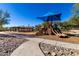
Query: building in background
[[19, 29]]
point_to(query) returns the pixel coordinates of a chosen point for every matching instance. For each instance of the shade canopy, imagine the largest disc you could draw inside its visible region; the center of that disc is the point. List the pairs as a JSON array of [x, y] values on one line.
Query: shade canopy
[[51, 17]]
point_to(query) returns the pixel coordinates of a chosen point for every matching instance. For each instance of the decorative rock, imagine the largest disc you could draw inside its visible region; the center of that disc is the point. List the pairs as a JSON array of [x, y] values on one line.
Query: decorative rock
[[59, 51], [53, 53], [8, 45], [49, 54], [75, 54], [46, 51], [4, 51]]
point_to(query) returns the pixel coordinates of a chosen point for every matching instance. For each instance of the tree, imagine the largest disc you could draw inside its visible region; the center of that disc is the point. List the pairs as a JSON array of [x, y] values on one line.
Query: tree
[[4, 18], [74, 20], [37, 27], [76, 8]]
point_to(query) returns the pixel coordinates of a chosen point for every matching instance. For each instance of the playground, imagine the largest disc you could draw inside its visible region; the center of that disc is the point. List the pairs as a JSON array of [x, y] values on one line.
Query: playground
[[51, 36]]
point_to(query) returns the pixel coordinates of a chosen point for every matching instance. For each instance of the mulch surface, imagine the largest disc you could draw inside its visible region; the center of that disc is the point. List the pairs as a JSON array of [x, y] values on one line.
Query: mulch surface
[[53, 37]]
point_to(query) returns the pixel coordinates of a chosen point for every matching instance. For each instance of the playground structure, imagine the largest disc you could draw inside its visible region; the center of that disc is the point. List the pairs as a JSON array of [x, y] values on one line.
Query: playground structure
[[49, 29]]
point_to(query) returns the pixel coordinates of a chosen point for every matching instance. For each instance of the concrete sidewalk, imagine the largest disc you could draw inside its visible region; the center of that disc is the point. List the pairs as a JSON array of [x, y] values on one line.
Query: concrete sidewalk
[[29, 48]]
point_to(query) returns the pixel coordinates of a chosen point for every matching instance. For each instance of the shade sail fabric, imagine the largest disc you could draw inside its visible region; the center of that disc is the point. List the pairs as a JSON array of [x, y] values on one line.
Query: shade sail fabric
[[55, 17]]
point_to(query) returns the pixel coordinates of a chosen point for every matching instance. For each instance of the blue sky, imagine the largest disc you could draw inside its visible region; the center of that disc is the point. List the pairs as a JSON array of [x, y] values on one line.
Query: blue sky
[[26, 13]]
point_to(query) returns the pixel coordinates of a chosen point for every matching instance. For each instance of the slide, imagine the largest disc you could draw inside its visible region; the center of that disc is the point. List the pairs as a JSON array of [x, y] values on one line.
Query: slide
[[60, 34]]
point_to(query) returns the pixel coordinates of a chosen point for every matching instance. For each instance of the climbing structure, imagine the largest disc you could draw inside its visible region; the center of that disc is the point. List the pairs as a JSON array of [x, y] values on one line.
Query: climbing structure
[[49, 19]]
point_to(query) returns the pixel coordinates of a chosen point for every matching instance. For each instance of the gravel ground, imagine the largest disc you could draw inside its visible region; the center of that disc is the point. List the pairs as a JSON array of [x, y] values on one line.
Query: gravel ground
[[9, 44], [50, 50]]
